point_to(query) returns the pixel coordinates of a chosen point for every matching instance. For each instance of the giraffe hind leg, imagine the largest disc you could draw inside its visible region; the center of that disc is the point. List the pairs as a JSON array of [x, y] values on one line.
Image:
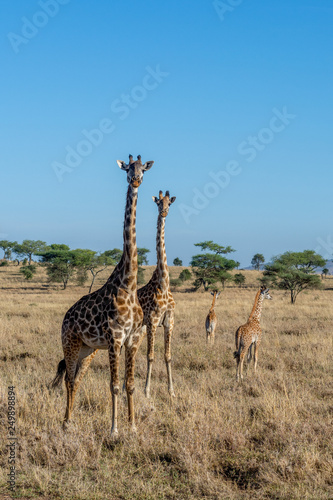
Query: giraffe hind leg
[[168, 324], [77, 361]]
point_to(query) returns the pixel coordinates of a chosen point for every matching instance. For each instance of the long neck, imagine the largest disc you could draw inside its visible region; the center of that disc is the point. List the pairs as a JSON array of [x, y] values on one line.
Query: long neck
[[257, 307], [213, 303], [128, 265], [162, 266]]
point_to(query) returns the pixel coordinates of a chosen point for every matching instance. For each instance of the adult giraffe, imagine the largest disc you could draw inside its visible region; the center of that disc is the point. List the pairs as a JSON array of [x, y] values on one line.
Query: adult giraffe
[[156, 299], [109, 317]]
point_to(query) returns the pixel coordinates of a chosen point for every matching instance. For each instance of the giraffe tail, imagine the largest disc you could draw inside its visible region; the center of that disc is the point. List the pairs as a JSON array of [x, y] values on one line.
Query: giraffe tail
[[238, 344], [59, 375]]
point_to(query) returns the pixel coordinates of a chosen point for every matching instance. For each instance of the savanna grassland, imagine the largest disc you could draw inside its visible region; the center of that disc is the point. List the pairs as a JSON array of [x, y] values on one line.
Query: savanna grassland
[[267, 438]]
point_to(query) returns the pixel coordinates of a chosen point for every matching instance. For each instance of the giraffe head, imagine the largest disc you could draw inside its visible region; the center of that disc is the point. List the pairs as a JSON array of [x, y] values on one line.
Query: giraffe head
[[163, 203], [264, 292], [134, 170], [216, 294]]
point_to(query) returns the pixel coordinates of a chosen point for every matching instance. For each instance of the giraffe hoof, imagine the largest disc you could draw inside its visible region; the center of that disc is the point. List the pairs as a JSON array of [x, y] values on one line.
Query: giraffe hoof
[[172, 393], [65, 425], [114, 435]]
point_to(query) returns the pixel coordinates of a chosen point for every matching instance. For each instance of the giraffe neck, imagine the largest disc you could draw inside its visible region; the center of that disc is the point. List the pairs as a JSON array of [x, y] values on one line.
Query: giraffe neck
[[162, 266], [127, 269], [213, 303], [257, 307]]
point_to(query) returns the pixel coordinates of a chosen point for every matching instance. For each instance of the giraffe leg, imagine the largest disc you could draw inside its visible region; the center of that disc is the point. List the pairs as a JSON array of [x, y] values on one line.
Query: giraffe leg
[[71, 353], [151, 332], [213, 335], [83, 366], [168, 329], [255, 357], [114, 354], [143, 333], [241, 362], [237, 356], [130, 355]]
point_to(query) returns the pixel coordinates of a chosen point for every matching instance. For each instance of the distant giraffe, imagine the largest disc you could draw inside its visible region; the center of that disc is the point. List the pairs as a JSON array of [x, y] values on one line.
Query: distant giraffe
[[109, 317], [250, 334], [156, 299], [211, 320]]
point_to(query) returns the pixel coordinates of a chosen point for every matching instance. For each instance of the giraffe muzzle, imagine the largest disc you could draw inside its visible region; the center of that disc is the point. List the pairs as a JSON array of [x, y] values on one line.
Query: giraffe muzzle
[[135, 182]]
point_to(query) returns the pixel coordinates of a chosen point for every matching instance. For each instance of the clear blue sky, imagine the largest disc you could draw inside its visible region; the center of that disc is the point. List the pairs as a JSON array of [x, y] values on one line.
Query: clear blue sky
[[198, 91]]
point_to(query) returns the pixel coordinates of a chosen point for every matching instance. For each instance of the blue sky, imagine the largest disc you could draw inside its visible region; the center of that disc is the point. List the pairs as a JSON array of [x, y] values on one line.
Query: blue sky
[[232, 101]]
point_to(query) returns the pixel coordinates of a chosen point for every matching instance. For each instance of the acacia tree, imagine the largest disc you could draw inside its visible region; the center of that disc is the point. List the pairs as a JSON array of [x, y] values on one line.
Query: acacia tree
[[97, 264], [114, 254], [239, 279], [257, 259], [28, 248], [177, 262], [294, 271], [212, 267], [7, 247], [324, 272], [62, 264]]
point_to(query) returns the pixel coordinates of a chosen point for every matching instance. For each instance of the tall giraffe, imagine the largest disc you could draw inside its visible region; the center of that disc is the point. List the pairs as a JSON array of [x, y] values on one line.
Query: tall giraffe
[[156, 299], [211, 320], [250, 334], [109, 317]]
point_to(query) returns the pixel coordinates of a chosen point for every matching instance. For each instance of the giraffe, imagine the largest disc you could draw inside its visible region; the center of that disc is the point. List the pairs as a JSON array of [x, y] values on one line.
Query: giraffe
[[211, 320], [250, 334], [156, 299], [108, 318]]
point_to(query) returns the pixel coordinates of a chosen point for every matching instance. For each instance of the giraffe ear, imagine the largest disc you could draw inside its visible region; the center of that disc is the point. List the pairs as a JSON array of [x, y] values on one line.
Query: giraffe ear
[[147, 165], [172, 199], [155, 199], [212, 293], [122, 165]]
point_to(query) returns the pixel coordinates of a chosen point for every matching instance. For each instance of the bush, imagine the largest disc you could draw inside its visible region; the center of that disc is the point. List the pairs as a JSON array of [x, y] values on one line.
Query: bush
[[175, 282], [185, 275], [4, 263], [28, 271]]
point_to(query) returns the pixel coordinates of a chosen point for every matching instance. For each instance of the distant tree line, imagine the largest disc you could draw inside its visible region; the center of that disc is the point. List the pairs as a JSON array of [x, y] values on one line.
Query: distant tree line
[[63, 264], [291, 271]]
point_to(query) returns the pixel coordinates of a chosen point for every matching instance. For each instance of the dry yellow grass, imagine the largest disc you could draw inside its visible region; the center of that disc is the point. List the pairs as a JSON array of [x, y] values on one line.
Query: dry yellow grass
[[268, 438]]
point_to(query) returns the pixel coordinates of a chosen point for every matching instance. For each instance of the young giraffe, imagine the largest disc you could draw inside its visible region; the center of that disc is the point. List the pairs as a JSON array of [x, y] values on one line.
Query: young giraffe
[[109, 317], [250, 333], [156, 299], [211, 320]]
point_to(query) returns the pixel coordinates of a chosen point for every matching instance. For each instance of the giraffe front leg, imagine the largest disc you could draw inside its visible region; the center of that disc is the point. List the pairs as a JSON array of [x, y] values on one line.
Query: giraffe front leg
[[213, 334], [130, 356], [114, 354], [151, 332], [168, 329]]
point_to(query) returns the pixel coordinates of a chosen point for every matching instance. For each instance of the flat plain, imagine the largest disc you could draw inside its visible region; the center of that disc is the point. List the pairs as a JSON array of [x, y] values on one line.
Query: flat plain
[[269, 437]]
